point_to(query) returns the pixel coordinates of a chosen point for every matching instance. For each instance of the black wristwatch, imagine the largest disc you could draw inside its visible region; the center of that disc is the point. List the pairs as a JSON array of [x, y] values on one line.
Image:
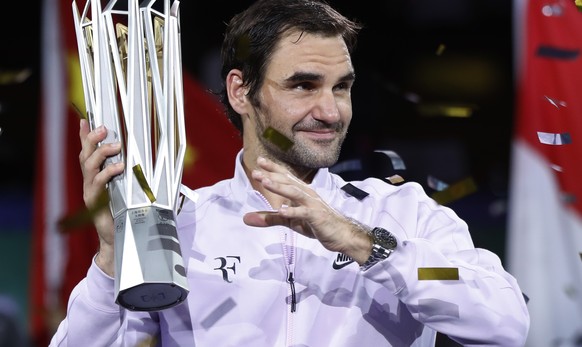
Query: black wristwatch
[[383, 244]]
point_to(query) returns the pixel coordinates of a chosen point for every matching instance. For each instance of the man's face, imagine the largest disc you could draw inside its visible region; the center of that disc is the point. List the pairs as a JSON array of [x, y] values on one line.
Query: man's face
[[306, 96]]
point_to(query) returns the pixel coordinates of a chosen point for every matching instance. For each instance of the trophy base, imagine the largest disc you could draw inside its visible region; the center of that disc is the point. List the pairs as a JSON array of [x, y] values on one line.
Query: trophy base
[[149, 270], [151, 296]]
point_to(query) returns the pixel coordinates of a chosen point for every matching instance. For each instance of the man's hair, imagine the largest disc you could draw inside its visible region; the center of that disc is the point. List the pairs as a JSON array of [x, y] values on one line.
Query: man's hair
[[251, 37]]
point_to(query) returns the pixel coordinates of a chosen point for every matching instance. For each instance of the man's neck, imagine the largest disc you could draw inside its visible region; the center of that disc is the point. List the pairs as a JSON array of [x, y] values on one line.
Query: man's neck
[[249, 163]]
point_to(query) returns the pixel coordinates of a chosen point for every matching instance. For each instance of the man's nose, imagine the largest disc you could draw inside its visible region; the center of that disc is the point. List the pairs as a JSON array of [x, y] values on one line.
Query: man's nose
[[326, 109]]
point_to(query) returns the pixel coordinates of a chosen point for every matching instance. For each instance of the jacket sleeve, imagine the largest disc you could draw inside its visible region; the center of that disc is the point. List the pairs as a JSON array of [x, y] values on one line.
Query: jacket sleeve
[[474, 300], [94, 319]]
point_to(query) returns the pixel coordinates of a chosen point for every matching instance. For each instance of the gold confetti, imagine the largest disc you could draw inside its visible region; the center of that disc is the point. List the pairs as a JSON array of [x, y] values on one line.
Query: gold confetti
[[440, 49], [455, 191], [79, 113], [190, 157], [14, 77], [438, 273], [446, 110], [84, 216], [147, 342], [395, 179], [278, 139], [143, 183]]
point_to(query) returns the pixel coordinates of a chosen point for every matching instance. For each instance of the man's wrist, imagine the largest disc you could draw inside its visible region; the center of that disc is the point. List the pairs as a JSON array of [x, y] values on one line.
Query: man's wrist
[[105, 260]]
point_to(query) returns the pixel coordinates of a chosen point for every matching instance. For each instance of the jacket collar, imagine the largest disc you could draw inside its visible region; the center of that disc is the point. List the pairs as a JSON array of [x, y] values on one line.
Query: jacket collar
[[243, 191]]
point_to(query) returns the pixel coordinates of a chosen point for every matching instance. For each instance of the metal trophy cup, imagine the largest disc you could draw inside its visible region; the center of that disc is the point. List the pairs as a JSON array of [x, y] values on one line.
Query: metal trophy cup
[[131, 67]]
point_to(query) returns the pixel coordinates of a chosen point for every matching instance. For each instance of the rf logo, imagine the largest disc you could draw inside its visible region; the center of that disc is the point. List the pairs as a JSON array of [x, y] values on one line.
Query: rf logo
[[227, 263]]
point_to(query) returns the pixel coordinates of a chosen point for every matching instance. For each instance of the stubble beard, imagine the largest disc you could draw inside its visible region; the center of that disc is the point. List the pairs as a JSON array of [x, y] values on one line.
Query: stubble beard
[[304, 154], [308, 156]]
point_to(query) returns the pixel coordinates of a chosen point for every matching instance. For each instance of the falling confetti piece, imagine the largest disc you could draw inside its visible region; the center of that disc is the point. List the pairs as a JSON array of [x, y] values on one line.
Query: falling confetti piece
[[455, 191], [412, 97], [440, 49], [79, 112], [84, 216], [569, 198], [556, 167], [555, 102], [438, 273], [436, 184], [435, 307], [14, 77], [395, 179], [557, 53], [354, 191], [278, 139], [346, 165], [446, 110], [147, 342], [397, 162], [219, 312], [143, 183], [554, 138], [498, 208], [552, 10]]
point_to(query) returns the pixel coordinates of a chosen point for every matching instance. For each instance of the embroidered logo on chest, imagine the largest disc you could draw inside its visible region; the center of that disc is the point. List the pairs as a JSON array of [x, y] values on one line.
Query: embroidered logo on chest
[[227, 265]]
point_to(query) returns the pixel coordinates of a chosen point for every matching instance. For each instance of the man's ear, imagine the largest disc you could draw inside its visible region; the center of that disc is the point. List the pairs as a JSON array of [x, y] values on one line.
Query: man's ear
[[236, 92]]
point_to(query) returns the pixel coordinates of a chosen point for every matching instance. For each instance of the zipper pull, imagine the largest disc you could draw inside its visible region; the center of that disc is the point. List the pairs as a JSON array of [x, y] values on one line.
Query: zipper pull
[[291, 281]]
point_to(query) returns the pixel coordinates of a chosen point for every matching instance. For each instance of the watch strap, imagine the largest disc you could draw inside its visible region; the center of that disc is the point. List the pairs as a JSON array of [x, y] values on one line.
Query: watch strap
[[380, 248]]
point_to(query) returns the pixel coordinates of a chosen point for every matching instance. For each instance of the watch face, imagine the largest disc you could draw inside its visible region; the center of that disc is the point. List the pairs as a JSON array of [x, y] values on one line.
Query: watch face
[[384, 238]]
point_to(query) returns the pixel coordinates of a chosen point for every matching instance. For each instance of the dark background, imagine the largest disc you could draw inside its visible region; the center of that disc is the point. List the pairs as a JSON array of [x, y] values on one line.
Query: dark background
[[404, 82]]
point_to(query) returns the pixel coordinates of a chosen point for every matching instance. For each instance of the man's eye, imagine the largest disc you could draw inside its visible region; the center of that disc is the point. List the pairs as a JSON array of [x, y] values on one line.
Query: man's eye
[[304, 86], [343, 86]]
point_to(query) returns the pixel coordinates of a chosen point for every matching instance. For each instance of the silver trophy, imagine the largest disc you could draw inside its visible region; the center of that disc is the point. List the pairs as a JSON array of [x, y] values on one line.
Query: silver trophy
[[131, 66]]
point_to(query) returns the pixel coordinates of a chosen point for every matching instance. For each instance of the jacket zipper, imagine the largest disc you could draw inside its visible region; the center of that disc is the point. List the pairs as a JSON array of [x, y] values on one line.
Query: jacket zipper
[[291, 281], [288, 244]]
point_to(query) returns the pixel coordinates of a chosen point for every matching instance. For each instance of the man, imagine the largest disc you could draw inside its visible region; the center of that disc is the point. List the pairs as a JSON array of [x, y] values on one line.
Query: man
[[286, 253]]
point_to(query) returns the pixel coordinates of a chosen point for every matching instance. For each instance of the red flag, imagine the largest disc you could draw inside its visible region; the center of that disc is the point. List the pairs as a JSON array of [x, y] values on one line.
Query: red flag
[[212, 141], [60, 258], [545, 213], [58, 180]]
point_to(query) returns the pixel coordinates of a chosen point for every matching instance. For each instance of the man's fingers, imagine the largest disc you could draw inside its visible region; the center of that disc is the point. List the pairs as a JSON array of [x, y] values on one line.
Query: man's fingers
[[110, 171], [268, 165], [90, 139], [84, 129], [94, 161]]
